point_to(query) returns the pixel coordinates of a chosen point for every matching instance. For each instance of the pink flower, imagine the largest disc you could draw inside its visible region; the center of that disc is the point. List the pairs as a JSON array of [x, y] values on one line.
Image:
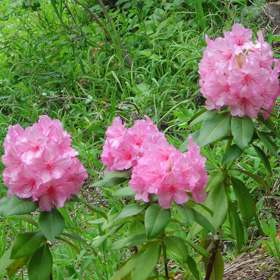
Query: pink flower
[[170, 174], [239, 73], [41, 164]]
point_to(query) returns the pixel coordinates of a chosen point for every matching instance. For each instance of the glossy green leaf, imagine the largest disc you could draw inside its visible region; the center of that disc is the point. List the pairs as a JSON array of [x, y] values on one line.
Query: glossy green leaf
[[217, 201], [231, 154], [147, 262], [113, 178], [51, 224], [18, 206], [100, 239], [270, 146], [216, 178], [131, 210], [185, 213], [40, 265], [214, 129], [242, 130], [177, 246], [27, 219], [263, 158], [134, 240], [218, 267], [26, 244], [156, 219], [236, 226], [245, 202], [126, 191], [193, 267]]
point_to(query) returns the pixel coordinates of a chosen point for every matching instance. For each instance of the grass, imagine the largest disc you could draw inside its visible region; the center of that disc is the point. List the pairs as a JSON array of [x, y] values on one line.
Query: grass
[[60, 63]]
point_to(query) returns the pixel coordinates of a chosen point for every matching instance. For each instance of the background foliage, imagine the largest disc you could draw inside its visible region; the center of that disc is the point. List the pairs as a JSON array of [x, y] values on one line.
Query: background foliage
[[60, 62]]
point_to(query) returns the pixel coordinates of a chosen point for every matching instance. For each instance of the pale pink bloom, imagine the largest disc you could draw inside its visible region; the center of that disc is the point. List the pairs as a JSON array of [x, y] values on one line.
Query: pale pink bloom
[[41, 164], [240, 73]]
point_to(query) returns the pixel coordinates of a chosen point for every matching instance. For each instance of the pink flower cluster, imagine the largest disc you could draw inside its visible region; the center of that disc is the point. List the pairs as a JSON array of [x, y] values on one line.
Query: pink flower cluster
[[40, 163], [157, 167], [240, 73]]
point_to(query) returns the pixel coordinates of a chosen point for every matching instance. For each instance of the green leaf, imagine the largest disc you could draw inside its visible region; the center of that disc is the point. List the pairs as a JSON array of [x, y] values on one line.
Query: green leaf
[[245, 202], [3, 205], [113, 178], [270, 146], [198, 249], [137, 227], [231, 154], [216, 178], [147, 261], [253, 176], [263, 158], [217, 202], [56, 11], [214, 129], [126, 191], [193, 267], [5, 260], [242, 130], [236, 226], [131, 210], [134, 240], [100, 239], [177, 246], [18, 206], [40, 265], [27, 219], [51, 224], [156, 219], [189, 215], [17, 264], [203, 116], [26, 244], [218, 267]]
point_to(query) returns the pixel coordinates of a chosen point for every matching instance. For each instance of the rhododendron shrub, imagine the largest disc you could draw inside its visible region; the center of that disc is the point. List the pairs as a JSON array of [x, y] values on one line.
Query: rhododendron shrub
[[41, 164], [157, 167], [239, 72]]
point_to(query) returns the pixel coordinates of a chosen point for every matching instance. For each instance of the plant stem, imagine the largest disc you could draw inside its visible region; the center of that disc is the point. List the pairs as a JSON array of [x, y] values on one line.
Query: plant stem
[[165, 262]]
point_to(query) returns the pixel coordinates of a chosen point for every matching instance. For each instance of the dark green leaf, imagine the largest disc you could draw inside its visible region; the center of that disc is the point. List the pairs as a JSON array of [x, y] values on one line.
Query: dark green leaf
[[214, 129], [216, 178], [217, 202], [51, 224], [134, 240], [131, 210], [177, 246], [147, 261], [27, 219], [218, 267], [189, 215], [18, 206], [236, 226], [100, 239], [5, 260], [242, 130], [113, 178], [40, 265], [270, 146], [245, 202], [193, 267], [56, 11], [26, 244], [137, 227], [156, 219], [263, 158], [231, 154], [126, 191], [198, 249]]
